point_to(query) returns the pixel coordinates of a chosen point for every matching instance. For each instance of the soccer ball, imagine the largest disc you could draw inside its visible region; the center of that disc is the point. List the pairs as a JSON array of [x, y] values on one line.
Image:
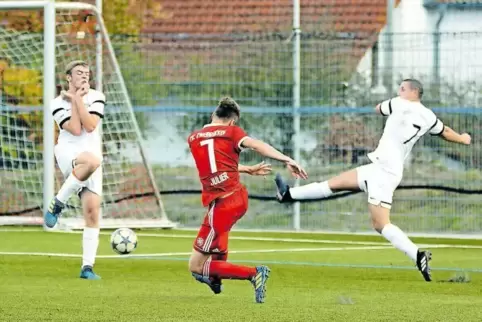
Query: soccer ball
[[123, 241]]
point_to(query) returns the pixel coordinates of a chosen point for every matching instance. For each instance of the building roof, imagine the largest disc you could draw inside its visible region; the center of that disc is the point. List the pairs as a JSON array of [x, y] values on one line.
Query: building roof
[[259, 16]]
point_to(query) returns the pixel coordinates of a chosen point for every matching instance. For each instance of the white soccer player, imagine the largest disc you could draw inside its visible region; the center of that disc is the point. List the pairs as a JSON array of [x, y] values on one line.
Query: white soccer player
[[78, 113], [408, 120]]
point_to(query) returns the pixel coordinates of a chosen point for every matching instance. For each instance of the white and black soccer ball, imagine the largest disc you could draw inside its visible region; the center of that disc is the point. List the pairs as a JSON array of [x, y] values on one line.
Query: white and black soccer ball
[[123, 241]]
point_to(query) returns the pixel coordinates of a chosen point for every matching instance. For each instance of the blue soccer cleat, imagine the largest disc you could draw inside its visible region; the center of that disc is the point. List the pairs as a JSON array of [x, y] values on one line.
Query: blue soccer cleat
[[282, 190], [88, 274], [215, 286], [259, 283], [52, 215]]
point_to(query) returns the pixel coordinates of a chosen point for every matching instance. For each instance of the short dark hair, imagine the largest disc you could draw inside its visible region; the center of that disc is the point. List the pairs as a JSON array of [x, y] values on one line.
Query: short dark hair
[[70, 66], [415, 84], [227, 109]]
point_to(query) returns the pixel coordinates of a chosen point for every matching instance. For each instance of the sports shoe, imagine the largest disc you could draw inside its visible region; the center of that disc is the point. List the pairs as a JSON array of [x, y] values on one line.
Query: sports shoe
[[88, 274], [215, 285], [52, 215], [282, 190], [423, 257], [259, 283]]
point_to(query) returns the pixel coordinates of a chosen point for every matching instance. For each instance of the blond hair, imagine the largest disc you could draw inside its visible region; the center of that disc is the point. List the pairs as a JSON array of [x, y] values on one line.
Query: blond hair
[[73, 64]]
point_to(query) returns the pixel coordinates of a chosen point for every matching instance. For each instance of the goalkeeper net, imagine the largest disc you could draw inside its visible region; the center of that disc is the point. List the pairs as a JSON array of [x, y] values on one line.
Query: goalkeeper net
[[130, 194]]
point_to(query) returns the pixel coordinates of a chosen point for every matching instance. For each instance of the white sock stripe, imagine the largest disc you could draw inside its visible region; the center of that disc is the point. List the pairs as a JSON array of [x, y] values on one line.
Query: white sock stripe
[[210, 238], [208, 241], [423, 263], [206, 265]]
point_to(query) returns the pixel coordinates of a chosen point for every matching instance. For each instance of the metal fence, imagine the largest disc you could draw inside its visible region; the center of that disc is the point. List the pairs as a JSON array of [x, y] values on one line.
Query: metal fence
[[175, 84]]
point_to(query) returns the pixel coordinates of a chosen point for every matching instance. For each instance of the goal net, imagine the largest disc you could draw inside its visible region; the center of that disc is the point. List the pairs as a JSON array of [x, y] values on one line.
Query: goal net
[[130, 194]]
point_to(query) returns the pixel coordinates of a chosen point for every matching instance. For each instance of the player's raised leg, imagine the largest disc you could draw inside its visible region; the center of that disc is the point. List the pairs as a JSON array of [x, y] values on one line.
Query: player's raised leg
[[380, 186], [90, 240], [380, 216], [81, 168], [347, 180]]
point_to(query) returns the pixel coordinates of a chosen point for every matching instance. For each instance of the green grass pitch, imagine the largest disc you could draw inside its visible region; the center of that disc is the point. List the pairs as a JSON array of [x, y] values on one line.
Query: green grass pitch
[[314, 277]]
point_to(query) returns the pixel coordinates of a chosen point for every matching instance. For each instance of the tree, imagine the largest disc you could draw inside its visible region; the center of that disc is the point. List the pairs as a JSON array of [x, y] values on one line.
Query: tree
[[120, 16]]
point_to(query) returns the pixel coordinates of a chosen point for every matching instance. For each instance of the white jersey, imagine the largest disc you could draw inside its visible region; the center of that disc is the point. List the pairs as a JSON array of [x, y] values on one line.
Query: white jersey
[[94, 101], [407, 122]]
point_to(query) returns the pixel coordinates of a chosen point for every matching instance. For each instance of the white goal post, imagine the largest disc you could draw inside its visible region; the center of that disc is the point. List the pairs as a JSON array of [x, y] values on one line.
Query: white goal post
[[28, 173]]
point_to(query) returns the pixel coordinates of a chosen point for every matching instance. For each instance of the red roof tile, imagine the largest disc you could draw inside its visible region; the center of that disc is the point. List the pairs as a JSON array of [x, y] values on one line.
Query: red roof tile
[[259, 16], [362, 18]]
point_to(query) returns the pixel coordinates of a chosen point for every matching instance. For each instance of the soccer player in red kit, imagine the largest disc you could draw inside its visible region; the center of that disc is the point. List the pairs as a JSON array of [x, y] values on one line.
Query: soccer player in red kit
[[215, 149]]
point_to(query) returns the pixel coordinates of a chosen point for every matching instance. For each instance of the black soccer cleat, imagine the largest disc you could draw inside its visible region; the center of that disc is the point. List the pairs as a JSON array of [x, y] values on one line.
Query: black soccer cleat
[[282, 190], [423, 257]]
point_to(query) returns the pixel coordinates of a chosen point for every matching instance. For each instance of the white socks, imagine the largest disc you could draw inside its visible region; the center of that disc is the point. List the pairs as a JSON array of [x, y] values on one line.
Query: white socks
[[70, 186], [315, 190], [90, 243], [400, 241]]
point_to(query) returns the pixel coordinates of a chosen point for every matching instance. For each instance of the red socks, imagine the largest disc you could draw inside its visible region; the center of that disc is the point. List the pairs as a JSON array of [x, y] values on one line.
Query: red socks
[[223, 270], [220, 257]]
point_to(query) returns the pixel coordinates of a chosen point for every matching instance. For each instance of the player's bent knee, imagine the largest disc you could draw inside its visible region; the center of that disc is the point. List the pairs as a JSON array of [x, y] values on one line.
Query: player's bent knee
[[195, 266], [94, 163], [377, 225], [91, 216], [89, 159], [380, 216], [92, 220]]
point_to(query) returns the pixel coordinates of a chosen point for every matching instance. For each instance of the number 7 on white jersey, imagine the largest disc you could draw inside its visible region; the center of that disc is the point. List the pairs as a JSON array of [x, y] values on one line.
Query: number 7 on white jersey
[[212, 158]]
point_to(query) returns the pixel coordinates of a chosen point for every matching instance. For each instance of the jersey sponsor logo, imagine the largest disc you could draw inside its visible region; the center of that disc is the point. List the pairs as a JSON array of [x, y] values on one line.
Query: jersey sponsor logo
[[207, 134], [219, 179]]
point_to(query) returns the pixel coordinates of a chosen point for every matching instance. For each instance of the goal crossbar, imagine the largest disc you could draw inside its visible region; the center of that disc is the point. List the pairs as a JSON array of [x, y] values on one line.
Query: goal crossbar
[[42, 4]]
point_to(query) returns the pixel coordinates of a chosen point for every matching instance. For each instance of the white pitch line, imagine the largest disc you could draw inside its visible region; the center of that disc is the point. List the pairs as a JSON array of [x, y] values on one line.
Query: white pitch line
[[40, 254], [246, 251], [247, 238], [451, 246], [310, 241], [274, 239]]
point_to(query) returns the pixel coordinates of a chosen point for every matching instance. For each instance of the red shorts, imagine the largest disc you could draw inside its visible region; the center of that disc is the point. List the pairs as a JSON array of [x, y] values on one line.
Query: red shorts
[[222, 214]]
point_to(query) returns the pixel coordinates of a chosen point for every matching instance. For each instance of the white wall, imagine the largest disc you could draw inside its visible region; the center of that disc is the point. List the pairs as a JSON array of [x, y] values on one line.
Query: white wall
[[460, 55]]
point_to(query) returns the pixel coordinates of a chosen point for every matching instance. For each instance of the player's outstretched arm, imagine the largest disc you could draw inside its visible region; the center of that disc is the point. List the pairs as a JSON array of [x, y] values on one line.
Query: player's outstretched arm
[[452, 136], [260, 169], [268, 151], [89, 121]]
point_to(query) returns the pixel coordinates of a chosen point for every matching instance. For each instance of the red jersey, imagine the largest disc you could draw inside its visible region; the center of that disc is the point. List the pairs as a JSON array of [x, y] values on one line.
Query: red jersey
[[215, 149]]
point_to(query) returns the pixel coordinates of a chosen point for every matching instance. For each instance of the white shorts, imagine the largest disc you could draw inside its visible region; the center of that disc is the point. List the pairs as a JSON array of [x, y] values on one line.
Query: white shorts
[[65, 160], [378, 183]]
